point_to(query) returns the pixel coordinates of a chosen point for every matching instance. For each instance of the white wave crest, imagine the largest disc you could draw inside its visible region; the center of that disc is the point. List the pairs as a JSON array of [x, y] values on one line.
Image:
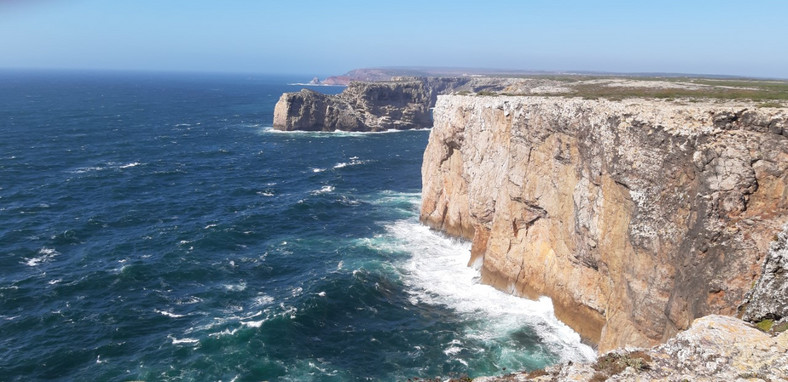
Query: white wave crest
[[235, 287], [186, 341], [82, 170], [262, 300], [253, 324], [169, 314], [45, 255], [354, 161], [323, 190]]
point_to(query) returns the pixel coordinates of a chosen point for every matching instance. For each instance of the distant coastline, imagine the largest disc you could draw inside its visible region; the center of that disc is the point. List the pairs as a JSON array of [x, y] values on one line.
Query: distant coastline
[[316, 85]]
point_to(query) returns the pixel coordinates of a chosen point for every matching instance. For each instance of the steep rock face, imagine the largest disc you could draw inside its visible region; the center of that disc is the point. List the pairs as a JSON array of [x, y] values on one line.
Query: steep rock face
[[400, 104], [769, 298], [635, 217], [308, 110], [362, 106]]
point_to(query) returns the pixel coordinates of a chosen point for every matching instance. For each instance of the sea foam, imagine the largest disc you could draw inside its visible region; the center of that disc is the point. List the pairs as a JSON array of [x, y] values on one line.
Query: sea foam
[[437, 274], [45, 255]]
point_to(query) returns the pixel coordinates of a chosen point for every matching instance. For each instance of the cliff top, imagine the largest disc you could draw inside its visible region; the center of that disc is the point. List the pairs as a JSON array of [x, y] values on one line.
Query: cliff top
[[765, 93], [768, 93], [686, 116]]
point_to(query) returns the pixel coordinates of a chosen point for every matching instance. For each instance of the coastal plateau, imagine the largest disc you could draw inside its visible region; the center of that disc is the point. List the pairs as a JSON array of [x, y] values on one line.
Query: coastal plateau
[[636, 216]]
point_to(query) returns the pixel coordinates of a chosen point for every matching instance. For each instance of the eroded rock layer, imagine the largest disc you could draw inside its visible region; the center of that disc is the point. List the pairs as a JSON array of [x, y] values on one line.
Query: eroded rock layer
[[635, 217]]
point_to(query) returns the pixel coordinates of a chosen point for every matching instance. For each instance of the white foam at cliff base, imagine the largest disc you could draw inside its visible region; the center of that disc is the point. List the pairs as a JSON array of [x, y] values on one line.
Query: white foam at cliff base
[[333, 134], [437, 274]]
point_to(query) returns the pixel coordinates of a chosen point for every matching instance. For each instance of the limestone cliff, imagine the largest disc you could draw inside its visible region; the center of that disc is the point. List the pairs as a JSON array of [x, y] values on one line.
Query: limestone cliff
[[636, 217], [400, 104], [363, 106], [768, 300]]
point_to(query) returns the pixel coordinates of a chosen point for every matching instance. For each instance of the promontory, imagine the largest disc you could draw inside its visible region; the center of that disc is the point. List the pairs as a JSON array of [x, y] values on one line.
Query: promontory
[[639, 206]]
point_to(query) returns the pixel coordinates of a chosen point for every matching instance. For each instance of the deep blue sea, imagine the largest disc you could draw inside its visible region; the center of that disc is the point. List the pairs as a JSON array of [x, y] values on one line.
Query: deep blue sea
[[153, 227]]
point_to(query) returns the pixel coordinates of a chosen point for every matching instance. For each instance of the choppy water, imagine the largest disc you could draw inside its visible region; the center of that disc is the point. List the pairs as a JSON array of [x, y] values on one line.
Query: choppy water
[[153, 227]]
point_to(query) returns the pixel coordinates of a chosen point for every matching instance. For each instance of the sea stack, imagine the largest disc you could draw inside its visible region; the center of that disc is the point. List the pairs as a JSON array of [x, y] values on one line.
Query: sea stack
[[363, 106], [402, 103]]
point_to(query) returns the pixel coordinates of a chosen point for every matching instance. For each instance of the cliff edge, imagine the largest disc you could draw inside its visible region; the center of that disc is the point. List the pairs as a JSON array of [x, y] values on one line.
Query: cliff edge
[[636, 217]]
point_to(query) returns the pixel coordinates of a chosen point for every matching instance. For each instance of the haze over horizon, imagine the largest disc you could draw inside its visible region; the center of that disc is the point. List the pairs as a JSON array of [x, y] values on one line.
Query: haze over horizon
[[327, 38]]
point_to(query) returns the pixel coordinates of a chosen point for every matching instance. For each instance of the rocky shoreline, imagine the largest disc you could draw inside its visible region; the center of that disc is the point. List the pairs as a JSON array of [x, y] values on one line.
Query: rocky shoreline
[[651, 223], [714, 348]]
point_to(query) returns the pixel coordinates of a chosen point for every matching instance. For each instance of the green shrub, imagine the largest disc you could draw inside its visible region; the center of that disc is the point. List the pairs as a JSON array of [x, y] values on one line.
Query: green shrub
[[765, 325]]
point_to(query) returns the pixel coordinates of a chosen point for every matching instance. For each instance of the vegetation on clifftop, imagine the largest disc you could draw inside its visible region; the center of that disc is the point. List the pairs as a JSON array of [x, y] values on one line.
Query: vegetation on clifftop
[[766, 93]]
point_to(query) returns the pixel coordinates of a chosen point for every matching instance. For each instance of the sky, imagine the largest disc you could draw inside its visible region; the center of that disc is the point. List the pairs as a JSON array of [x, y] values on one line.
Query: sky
[[748, 38]]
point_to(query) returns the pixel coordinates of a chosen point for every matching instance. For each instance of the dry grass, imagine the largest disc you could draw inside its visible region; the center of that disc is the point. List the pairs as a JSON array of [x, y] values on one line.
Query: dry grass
[[611, 364], [770, 93]]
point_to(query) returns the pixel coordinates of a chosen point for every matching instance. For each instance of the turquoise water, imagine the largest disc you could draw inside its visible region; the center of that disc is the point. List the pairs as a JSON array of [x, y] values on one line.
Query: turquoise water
[[153, 227]]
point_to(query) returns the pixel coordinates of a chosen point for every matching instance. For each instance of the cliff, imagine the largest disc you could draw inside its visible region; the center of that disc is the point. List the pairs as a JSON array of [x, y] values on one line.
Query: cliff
[[363, 106], [400, 104], [636, 217]]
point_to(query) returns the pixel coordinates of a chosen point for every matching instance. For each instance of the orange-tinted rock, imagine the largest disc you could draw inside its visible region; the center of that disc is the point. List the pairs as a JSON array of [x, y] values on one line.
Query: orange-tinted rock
[[635, 217]]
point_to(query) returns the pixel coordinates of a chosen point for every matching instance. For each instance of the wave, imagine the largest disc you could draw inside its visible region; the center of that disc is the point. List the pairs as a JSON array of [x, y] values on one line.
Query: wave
[[436, 273], [235, 287], [354, 161], [103, 167], [186, 341], [323, 190], [45, 255], [169, 314], [335, 133]]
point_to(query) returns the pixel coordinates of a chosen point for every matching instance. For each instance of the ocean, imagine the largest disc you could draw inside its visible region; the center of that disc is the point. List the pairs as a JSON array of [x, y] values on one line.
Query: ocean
[[154, 227]]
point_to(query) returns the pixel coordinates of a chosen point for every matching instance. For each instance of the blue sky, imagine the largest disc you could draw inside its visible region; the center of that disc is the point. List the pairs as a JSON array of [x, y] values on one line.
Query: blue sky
[[331, 37]]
